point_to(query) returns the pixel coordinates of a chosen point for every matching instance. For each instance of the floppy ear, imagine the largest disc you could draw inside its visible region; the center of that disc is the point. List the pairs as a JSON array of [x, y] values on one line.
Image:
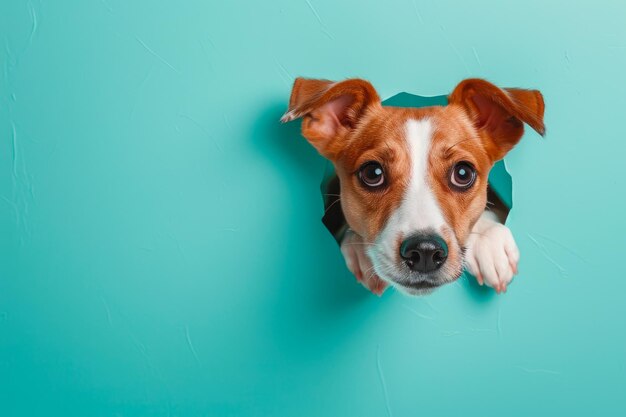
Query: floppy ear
[[499, 114], [329, 110]]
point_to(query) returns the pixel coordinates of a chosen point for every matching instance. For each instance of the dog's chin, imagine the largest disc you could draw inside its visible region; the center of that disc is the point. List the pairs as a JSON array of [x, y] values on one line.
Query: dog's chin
[[422, 287]]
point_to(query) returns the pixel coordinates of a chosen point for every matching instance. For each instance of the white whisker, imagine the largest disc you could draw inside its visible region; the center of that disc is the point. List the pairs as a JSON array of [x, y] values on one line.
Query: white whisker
[[329, 207]]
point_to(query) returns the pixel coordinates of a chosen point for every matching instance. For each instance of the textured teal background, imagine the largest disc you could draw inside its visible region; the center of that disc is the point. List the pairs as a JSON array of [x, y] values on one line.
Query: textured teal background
[[161, 250]]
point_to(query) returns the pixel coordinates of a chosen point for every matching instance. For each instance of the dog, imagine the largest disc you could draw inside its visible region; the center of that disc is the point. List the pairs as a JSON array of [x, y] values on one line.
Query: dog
[[413, 181]]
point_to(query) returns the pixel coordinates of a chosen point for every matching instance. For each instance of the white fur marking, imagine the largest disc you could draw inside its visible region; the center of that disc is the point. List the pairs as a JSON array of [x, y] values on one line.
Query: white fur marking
[[419, 210]]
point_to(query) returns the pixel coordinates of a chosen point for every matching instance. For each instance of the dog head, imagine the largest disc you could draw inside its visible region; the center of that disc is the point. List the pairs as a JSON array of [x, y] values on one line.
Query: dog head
[[413, 180]]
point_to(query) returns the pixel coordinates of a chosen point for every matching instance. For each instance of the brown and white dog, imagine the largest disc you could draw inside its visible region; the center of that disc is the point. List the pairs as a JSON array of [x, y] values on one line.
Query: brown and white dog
[[414, 180]]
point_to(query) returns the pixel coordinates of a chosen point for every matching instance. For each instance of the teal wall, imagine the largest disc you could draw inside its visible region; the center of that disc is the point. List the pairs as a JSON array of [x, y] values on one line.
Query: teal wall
[[161, 250]]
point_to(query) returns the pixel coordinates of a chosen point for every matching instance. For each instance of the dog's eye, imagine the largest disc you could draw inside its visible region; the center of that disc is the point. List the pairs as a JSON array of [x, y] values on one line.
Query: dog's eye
[[463, 175], [371, 174]]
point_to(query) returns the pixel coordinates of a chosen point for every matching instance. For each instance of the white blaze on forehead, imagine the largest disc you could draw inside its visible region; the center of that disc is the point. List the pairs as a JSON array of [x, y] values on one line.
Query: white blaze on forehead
[[418, 211]]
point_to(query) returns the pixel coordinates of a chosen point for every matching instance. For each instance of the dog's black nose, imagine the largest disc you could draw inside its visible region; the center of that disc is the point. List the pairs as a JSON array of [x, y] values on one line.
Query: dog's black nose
[[424, 253]]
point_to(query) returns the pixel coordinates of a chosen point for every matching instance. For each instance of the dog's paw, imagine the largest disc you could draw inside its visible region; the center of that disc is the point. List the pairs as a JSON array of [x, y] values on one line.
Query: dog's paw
[[353, 250], [492, 255]]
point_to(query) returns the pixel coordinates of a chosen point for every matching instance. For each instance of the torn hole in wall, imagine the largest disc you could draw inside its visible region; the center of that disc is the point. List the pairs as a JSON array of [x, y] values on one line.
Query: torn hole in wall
[[499, 194]]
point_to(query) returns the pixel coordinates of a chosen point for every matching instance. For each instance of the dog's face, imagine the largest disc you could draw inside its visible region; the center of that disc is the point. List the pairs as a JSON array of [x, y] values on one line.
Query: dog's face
[[413, 181]]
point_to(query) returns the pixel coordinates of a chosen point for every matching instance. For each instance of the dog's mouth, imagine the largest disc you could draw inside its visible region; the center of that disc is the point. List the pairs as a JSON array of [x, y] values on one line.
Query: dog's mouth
[[423, 285], [417, 288]]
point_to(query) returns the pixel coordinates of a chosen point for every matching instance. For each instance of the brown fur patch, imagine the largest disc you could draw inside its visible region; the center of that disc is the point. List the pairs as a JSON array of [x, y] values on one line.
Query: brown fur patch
[[379, 137], [454, 140]]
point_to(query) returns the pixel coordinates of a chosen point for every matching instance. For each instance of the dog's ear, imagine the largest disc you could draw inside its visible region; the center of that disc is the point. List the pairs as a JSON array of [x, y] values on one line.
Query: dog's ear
[[499, 114], [329, 110]]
